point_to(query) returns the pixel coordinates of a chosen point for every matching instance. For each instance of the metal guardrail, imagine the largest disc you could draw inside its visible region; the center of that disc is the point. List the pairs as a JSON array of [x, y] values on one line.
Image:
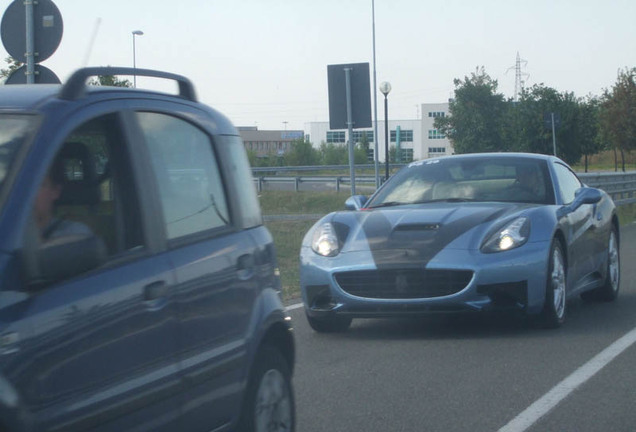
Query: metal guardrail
[[620, 186], [337, 180], [322, 168]]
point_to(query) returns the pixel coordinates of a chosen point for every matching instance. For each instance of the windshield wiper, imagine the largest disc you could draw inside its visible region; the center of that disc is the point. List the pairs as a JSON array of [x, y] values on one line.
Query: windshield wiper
[[388, 204]]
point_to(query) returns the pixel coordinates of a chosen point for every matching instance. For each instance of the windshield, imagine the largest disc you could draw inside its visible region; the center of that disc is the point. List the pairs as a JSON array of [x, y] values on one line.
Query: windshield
[[468, 179], [13, 132]]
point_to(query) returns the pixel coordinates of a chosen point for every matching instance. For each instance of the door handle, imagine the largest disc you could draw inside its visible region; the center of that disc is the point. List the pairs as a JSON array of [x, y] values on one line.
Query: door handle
[[155, 290], [245, 266]]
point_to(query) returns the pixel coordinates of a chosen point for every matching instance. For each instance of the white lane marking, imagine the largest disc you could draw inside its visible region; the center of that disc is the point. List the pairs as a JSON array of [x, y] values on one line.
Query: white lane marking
[[551, 399], [294, 306]]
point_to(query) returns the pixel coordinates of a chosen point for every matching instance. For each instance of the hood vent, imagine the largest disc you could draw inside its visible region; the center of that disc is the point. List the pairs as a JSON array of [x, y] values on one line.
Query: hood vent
[[418, 227]]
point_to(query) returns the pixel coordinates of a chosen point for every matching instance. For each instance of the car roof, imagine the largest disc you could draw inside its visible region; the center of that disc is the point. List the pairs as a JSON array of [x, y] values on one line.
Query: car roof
[[37, 97], [495, 155], [26, 96], [32, 96]]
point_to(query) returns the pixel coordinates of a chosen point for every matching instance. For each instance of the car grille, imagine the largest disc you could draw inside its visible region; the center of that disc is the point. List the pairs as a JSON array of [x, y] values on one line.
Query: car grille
[[403, 284]]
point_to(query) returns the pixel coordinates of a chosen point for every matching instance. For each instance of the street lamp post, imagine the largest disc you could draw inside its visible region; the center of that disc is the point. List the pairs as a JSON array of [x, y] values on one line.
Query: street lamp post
[[385, 88], [135, 33]]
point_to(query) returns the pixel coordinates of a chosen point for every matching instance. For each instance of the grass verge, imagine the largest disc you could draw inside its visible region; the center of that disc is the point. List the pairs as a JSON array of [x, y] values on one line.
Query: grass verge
[[288, 235], [289, 202]]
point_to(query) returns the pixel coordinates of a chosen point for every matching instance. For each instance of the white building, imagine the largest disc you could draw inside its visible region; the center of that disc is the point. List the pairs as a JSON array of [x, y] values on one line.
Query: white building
[[418, 139], [434, 143]]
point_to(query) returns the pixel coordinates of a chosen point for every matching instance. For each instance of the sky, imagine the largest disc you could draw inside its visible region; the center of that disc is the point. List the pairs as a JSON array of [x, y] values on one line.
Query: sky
[[264, 63]]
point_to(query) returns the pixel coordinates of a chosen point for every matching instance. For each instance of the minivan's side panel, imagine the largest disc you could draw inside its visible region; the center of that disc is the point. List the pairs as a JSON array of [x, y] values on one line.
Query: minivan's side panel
[[216, 291], [96, 351], [214, 265]]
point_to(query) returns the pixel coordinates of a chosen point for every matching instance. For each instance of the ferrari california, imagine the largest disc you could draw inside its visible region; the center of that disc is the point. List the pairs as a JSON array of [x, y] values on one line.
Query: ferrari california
[[477, 232]]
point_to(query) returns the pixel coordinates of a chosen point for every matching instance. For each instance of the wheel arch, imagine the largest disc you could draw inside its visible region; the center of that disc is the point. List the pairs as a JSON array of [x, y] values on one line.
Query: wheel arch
[[560, 237], [616, 225], [280, 336]]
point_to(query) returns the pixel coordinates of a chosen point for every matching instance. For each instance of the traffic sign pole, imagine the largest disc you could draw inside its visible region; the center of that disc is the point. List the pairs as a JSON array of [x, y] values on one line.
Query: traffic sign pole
[[30, 43]]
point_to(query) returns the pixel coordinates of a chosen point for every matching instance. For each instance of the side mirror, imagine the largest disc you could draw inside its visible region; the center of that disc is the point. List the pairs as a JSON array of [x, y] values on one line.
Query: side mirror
[[587, 195], [356, 202], [584, 195], [64, 257]]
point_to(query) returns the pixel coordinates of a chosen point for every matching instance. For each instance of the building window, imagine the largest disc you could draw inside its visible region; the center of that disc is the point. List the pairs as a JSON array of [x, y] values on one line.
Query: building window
[[336, 137], [435, 134], [405, 135], [435, 114], [357, 136], [370, 155], [407, 155], [437, 150]]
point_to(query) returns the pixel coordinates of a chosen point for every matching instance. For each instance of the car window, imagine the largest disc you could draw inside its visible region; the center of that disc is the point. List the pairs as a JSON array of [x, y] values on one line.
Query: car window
[[185, 167], [85, 209], [471, 179], [238, 169], [568, 183], [14, 130]]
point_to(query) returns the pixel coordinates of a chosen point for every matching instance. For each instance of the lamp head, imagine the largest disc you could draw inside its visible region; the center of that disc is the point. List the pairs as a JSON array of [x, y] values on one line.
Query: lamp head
[[385, 87], [137, 32]]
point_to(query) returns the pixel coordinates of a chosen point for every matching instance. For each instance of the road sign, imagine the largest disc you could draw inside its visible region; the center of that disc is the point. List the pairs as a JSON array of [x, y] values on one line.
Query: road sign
[[360, 95], [547, 120], [47, 29], [42, 75]]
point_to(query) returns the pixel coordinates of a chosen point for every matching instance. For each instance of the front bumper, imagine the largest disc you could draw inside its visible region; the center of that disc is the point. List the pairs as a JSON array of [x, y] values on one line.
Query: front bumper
[[514, 280]]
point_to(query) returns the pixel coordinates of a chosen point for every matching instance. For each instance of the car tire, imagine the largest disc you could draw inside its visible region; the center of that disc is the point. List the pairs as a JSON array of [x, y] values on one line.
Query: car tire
[[609, 290], [336, 324], [554, 308], [269, 401]]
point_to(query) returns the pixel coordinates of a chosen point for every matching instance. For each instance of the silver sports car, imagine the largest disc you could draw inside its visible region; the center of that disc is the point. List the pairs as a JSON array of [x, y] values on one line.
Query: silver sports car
[[479, 232]]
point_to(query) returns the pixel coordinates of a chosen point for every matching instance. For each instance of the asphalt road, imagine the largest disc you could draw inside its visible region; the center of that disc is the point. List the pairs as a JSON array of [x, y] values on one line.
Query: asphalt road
[[475, 373]]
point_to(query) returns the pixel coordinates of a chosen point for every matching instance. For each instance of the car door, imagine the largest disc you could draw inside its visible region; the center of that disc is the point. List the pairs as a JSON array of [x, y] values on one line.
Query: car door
[[580, 229], [214, 264], [95, 350]]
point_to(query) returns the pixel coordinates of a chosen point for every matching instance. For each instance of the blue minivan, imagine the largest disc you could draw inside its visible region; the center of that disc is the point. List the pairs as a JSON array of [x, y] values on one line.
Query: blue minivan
[[139, 289]]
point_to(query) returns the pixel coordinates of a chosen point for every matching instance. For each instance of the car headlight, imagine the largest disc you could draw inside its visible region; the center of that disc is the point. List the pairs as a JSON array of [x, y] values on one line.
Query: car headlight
[[511, 236], [325, 241]]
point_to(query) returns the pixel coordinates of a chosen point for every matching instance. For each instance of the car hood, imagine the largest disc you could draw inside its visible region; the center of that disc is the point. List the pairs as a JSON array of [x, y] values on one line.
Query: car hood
[[420, 232]]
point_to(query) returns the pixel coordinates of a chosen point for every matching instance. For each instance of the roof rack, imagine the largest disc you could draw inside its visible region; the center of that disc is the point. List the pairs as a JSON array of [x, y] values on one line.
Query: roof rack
[[75, 86]]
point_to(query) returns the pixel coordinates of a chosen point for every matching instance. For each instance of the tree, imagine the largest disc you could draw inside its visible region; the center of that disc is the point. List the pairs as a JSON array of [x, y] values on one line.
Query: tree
[[333, 154], [13, 65], [360, 153], [252, 156], [476, 115], [588, 127], [338, 154], [301, 153], [364, 142], [110, 81], [618, 114], [529, 131]]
